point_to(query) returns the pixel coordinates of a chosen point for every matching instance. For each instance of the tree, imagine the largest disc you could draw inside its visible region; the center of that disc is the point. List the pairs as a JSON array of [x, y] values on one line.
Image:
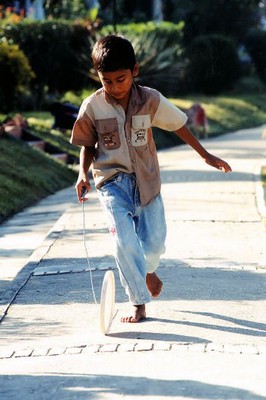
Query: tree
[[68, 9], [230, 18], [126, 10]]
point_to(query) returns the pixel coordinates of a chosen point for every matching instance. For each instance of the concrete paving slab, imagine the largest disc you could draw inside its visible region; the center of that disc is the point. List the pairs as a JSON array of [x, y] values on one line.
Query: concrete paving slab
[[22, 234], [198, 305], [144, 375]]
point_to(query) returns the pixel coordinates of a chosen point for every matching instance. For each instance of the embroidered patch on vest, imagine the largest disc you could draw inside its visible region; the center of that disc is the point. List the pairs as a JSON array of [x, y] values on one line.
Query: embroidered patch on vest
[[109, 140], [139, 130]]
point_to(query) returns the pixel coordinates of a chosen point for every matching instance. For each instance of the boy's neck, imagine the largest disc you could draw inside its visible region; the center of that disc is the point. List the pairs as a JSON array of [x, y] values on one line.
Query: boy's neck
[[124, 102]]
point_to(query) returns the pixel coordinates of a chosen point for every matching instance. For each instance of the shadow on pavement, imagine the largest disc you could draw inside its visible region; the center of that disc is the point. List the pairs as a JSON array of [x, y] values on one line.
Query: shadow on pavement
[[70, 386], [173, 176]]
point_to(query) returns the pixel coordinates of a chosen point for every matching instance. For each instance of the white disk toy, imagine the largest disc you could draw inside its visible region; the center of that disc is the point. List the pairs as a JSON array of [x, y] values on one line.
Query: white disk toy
[[107, 302]]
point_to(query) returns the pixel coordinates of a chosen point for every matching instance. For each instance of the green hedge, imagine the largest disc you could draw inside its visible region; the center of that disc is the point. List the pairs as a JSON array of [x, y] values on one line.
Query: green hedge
[[256, 46], [213, 64], [15, 73], [58, 52]]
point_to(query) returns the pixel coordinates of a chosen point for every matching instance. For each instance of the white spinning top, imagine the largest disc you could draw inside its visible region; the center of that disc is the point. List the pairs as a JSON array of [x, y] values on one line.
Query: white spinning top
[[107, 302]]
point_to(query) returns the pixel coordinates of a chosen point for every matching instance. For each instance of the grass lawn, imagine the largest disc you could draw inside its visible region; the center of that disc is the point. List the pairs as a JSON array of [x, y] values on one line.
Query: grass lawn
[[228, 113], [27, 175], [263, 178]]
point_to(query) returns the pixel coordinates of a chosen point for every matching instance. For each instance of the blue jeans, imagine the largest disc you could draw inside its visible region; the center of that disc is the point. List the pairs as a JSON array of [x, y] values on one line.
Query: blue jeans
[[139, 233]]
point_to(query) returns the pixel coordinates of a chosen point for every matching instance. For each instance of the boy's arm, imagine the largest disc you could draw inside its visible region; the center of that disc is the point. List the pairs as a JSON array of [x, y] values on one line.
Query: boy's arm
[[185, 134], [83, 185]]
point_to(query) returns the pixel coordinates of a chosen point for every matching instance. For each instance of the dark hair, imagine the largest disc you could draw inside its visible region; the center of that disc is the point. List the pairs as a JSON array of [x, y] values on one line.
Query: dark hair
[[112, 53]]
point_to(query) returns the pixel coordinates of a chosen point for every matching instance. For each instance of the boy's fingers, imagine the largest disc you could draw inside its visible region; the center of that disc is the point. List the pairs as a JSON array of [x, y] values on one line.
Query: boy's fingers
[[83, 190], [225, 167]]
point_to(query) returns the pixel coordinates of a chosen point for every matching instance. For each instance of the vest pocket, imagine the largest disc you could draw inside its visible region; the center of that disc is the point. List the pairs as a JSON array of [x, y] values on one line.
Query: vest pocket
[[139, 130], [108, 133]]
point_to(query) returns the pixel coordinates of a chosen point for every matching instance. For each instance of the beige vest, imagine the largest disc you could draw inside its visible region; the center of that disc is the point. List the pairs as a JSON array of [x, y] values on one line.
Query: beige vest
[[124, 141]]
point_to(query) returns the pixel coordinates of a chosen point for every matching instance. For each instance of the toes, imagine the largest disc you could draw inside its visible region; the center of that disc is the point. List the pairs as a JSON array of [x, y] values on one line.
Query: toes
[[129, 319]]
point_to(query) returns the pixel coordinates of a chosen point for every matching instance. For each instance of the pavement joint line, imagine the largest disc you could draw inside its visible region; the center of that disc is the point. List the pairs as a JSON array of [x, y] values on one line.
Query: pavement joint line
[[255, 268], [243, 349], [72, 271], [205, 221]]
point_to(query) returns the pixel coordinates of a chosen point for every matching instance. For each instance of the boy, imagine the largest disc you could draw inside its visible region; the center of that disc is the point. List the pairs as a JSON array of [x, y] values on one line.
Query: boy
[[114, 129]]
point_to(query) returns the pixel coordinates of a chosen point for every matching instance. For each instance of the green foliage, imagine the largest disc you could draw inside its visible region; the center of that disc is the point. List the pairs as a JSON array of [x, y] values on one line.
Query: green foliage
[[58, 52], [126, 11], [256, 46], [226, 17], [213, 64], [27, 175], [76, 97], [229, 18], [15, 73], [263, 173], [68, 9], [263, 179], [172, 31]]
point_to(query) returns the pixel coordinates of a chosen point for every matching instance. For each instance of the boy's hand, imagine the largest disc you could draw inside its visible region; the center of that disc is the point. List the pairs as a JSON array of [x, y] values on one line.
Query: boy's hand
[[82, 188], [218, 163]]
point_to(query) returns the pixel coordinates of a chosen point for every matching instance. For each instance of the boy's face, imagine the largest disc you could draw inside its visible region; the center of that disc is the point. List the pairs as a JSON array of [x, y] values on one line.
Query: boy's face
[[118, 83]]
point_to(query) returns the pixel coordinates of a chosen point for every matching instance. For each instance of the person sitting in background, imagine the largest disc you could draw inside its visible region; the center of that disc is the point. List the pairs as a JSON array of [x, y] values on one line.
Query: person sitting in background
[[197, 120], [64, 114], [14, 126]]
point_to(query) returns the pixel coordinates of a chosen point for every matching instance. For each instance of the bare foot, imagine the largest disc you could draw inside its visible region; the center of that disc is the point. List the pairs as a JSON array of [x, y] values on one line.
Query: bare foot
[[154, 284], [138, 315]]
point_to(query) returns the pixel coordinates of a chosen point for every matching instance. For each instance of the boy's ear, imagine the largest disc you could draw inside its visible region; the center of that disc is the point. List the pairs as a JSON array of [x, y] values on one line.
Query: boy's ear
[[135, 70]]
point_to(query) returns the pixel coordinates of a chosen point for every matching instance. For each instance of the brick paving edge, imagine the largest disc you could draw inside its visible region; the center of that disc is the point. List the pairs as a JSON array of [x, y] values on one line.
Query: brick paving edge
[[135, 347]]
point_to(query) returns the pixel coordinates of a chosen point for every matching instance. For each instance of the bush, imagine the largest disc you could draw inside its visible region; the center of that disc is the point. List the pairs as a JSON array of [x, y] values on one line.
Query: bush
[[213, 64], [256, 46], [58, 52], [15, 73]]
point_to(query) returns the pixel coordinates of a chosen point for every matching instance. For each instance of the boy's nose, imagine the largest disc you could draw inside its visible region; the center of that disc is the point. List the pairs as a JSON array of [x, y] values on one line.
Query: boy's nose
[[115, 89]]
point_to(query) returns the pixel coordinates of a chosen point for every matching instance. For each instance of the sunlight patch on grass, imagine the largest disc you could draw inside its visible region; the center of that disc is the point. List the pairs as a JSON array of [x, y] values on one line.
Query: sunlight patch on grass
[[229, 113], [184, 104], [44, 120], [263, 175]]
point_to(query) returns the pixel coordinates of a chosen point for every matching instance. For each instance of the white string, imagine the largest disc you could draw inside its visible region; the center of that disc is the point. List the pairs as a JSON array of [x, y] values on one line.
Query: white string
[[87, 256]]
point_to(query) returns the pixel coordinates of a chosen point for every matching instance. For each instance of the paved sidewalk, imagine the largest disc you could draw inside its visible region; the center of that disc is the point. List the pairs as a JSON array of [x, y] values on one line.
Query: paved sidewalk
[[205, 337], [22, 234]]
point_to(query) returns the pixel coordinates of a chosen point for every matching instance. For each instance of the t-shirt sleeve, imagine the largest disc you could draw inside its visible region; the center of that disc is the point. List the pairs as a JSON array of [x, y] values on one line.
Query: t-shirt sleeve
[[168, 116], [84, 132]]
